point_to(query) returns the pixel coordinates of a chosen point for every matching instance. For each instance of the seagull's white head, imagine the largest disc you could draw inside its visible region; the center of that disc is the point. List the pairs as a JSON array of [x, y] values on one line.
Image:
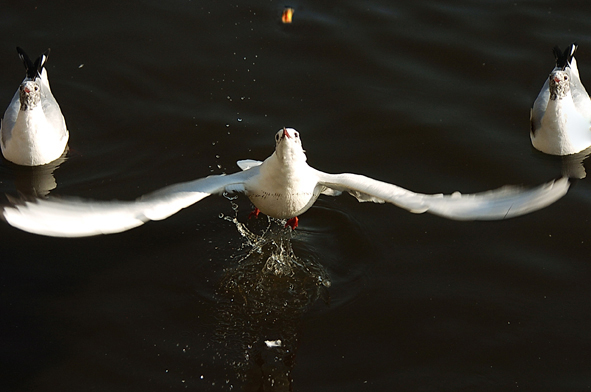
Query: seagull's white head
[[559, 83], [288, 145], [30, 94]]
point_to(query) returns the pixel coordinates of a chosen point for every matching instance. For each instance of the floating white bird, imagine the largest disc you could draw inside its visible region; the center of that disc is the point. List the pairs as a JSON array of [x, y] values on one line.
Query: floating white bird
[[33, 128], [561, 115], [283, 186]]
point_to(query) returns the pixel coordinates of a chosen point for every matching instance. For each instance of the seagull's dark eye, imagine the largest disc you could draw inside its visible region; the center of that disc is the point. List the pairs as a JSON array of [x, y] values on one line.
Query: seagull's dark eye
[[296, 134], [277, 137], [565, 77], [36, 88]]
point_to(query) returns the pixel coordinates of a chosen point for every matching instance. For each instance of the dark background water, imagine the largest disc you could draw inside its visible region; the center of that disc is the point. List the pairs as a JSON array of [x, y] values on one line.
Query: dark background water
[[430, 95]]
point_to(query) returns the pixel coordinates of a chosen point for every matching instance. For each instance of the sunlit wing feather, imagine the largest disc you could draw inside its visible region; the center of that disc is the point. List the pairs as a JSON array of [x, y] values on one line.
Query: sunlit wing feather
[[246, 164], [502, 203], [74, 217]]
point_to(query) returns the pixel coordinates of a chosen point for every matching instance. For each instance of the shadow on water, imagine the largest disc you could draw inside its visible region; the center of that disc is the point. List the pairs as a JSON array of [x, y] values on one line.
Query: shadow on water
[[263, 298]]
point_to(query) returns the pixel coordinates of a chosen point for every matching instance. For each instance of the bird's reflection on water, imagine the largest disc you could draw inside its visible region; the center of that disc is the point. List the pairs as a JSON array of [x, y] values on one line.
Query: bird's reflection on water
[[33, 181], [263, 297], [261, 303], [572, 165]]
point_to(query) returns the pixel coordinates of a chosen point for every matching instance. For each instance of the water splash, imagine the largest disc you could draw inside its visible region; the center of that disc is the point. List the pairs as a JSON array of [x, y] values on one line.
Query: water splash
[[262, 299], [275, 241]]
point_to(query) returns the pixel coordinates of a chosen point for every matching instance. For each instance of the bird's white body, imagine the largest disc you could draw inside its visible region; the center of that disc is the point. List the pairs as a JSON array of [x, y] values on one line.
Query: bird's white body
[[33, 133], [283, 186], [561, 114]]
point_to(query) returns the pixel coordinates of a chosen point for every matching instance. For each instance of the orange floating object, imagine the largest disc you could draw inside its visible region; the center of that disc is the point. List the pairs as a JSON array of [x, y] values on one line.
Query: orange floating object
[[287, 15]]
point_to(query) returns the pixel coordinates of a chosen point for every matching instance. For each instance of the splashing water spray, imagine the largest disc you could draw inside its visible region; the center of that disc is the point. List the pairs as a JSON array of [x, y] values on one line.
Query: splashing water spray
[[276, 239]]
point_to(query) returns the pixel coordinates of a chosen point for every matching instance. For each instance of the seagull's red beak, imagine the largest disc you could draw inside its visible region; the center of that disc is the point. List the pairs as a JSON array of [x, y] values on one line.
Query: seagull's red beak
[[285, 133]]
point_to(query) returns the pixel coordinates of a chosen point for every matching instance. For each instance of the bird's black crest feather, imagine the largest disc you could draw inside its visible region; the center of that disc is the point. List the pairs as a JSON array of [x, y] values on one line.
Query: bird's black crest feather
[[563, 59], [33, 69]]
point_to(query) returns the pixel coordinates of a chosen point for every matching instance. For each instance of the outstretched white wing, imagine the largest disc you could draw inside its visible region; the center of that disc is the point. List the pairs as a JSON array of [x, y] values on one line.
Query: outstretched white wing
[[74, 217], [502, 203]]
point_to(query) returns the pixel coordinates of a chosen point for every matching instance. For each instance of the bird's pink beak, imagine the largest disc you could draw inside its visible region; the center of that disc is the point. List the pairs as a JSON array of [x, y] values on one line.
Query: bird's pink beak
[[285, 133]]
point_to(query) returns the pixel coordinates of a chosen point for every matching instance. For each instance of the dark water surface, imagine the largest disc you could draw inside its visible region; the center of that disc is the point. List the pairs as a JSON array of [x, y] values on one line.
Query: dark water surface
[[430, 95]]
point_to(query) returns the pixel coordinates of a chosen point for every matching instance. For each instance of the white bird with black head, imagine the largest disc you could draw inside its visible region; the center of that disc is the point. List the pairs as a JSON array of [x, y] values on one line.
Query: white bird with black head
[[561, 114], [283, 186], [33, 130]]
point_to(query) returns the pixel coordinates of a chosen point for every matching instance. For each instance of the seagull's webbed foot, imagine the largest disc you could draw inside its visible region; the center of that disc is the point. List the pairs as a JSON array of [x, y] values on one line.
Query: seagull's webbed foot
[[254, 214], [293, 223]]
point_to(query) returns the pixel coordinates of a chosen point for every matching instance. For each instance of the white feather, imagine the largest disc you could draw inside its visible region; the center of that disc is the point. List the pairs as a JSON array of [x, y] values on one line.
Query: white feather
[[283, 186]]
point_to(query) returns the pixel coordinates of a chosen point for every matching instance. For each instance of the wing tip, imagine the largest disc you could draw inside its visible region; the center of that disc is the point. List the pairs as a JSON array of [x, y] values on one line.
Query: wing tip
[[564, 58], [33, 69]]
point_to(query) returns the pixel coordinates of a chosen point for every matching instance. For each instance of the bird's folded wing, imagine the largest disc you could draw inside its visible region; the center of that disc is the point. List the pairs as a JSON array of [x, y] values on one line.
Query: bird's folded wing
[[505, 202], [10, 117], [539, 107], [580, 96], [75, 217], [50, 106]]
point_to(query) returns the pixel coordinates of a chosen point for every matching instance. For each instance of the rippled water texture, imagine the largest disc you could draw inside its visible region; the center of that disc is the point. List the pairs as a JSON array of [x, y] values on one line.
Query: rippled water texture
[[430, 95]]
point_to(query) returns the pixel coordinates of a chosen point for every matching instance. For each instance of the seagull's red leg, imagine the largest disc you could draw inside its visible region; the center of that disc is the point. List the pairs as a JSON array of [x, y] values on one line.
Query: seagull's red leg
[[293, 223], [255, 213]]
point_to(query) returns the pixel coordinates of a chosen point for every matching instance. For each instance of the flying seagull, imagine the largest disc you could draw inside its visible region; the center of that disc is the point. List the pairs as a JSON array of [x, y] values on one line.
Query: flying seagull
[[284, 186], [33, 128], [561, 115]]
